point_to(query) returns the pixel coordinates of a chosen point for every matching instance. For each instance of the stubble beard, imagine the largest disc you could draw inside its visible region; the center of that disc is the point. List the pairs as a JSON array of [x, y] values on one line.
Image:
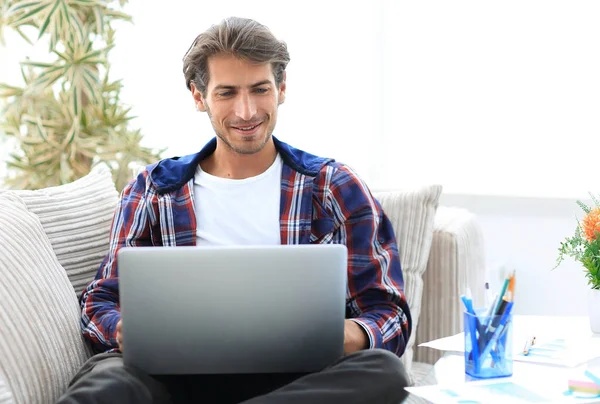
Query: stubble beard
[[243, 150]]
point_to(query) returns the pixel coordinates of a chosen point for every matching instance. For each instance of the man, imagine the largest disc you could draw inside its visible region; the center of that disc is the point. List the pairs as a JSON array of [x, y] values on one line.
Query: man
[[247, 187]]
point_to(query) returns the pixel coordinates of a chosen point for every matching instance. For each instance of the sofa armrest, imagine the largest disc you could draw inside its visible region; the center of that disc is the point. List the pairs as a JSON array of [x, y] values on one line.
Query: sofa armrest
[[456, 261]]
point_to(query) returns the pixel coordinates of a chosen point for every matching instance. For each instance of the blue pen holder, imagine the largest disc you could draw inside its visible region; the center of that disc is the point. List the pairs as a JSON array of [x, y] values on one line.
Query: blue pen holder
[[488, 345]]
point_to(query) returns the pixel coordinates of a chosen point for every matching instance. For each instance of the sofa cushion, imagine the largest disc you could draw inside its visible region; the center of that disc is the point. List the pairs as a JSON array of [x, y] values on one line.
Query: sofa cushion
[[41, 345], [77, 217], [5, 394], [412, 213]]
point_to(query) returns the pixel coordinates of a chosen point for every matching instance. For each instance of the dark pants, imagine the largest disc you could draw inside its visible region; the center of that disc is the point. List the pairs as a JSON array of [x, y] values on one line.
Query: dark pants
[[369, 376]]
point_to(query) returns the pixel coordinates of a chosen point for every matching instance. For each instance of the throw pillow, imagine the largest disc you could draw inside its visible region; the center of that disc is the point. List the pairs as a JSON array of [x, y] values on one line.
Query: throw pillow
[[412, 214], [41, 345], [77, 218]]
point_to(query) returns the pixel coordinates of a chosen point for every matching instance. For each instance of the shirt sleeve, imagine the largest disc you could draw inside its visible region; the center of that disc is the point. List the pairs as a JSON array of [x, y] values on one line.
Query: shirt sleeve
[[100, 300], [375, 281]]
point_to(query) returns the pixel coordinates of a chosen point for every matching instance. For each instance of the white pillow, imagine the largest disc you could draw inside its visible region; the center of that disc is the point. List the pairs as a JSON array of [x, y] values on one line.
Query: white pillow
[[41, 345], [412, 214], [77, 218]]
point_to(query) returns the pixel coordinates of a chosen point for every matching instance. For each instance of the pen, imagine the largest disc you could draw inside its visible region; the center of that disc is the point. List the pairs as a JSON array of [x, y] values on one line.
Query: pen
[[511, 286], [492, 306], [468, 302], [501, 295], [528, 343], [486, 322], [497, 331], [474, 326], [474, 344], [488, 295], [496, 316]]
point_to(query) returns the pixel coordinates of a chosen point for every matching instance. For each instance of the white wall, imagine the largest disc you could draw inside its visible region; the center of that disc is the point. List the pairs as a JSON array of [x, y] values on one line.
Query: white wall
[[494, 97], [483, 97], [524, 234]]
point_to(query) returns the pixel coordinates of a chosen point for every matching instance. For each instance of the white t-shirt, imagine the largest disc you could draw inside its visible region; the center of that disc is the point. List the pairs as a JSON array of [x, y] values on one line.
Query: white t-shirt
[[238, 212]]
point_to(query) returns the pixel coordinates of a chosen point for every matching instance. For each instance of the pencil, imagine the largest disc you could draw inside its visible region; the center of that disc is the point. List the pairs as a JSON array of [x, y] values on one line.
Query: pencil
[[511, 286]]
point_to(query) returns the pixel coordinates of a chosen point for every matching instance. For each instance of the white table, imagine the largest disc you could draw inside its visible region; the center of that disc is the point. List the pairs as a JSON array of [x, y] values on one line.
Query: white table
[[450, 371]]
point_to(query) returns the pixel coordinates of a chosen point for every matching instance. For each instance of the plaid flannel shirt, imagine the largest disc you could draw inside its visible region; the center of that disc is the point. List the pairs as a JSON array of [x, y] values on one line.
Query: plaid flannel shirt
[[322, 201]]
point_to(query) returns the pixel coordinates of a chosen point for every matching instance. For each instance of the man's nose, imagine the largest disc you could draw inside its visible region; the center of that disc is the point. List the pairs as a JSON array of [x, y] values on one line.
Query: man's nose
[[245, 108]]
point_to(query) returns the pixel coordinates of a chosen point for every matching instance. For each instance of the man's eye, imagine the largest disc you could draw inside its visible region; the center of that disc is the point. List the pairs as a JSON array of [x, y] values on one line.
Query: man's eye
[[261, 90], [226, 94]]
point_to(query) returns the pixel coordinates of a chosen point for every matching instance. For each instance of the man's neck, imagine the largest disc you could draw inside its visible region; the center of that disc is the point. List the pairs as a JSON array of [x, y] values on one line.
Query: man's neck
[[226, 163]]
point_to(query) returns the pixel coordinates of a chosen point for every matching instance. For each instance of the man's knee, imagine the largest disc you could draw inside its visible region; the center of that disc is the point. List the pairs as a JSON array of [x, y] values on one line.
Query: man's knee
[[391, 375], [393, 366], [110, 381], [108, 363]]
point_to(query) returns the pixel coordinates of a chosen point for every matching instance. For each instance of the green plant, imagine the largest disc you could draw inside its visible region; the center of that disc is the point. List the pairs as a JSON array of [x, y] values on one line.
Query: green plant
[[67, 115], [584, 245]]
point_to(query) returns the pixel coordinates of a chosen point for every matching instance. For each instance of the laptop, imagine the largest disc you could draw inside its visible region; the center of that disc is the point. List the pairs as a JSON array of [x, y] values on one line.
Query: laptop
[[242, 309]]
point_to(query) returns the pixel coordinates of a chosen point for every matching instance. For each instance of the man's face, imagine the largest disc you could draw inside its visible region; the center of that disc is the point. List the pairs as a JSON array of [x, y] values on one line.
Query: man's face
[[241, 101]]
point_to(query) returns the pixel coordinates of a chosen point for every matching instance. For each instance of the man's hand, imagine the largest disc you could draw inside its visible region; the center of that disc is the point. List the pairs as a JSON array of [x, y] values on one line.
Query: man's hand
[[119, 336], [355, 337]]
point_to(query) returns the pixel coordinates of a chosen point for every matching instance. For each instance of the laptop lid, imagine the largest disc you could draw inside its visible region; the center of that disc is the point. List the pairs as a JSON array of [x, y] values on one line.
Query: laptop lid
[[242, 309]]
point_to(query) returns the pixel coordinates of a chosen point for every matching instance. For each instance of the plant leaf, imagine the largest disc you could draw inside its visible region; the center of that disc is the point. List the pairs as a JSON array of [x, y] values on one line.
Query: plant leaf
[[21, 5], [38, 64], [595, 200], [118, 15], [10, 91], [27, 16], [584, 207], [48, 19], [76, 100], [78, 24], [22, 34], [99, 17]]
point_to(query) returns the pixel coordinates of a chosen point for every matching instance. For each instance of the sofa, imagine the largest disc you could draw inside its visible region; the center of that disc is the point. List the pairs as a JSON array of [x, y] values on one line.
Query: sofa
[[53, 240]]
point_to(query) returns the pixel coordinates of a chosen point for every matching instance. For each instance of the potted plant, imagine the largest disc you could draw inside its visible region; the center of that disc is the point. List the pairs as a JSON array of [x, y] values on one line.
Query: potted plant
[[584, 247], [67, 114]]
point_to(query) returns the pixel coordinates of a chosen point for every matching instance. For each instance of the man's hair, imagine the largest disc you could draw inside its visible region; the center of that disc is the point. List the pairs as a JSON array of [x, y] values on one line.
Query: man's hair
[[241, 37]]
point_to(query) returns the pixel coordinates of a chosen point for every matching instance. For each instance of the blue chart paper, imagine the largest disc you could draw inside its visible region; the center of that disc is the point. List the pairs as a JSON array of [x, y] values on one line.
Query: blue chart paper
[[562, 352], [509, 389], [505, 392], [497, 391]]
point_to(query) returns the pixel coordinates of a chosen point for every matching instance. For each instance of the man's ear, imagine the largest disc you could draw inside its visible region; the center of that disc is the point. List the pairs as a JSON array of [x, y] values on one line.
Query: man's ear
[[198, 98], [282, 88]]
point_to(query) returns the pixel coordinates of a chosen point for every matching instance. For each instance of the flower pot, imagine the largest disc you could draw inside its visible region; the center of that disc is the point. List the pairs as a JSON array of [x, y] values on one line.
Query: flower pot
[[594, 310]]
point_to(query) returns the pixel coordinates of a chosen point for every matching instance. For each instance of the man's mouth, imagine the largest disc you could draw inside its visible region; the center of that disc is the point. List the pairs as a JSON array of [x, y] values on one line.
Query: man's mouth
[[247, 128]]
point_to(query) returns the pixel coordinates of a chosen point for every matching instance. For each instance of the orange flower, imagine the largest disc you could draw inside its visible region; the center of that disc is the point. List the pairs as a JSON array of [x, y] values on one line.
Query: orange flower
[[591, 224]]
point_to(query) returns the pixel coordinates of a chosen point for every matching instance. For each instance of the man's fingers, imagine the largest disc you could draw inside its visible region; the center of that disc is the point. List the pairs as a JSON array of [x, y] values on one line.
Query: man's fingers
[[119, 336]]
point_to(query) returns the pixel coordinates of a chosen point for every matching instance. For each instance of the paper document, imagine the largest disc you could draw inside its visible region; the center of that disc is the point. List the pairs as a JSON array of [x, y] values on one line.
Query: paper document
[[559, 351], [565, 352], [558, 341], [505, 391], [455, 343]]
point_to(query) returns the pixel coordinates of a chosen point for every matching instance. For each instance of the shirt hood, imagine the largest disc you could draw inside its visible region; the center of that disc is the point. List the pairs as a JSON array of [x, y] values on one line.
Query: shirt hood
[[170, 174]]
